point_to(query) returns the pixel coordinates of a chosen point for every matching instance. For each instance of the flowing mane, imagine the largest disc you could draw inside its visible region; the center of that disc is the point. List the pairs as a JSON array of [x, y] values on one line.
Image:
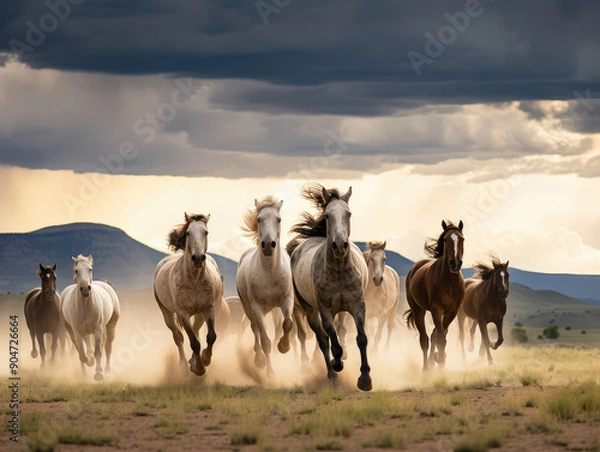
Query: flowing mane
[[485, 271], [310, 225], [176, 238], [373, 245], [81, 257], [250, 226], [435, 248]]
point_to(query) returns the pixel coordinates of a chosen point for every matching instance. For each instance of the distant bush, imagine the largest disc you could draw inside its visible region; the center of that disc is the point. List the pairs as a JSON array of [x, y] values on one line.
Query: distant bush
[[582, 331], [540, 337], [551, 332], [519, 335], [519, 324], [568, 328]]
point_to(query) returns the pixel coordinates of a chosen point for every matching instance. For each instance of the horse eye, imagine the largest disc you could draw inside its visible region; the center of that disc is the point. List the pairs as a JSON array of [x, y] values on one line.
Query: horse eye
[[187, 234], [326, 216], [278, 220], [258, 220], [76, 271]]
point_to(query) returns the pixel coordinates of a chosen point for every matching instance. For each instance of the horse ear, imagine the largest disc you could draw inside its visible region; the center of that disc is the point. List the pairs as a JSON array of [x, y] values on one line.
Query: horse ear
[[460, 225], [255, 202], [207, 218], [54, 267], [506, 264], [42, 268], [74, 259], [346, 196], [384, 244], [444, 224], [187, 217], [279, 204], [90, 259], [326, 195]]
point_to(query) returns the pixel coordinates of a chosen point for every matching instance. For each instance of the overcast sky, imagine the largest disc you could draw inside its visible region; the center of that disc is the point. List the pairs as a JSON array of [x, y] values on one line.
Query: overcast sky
[[129, 113]]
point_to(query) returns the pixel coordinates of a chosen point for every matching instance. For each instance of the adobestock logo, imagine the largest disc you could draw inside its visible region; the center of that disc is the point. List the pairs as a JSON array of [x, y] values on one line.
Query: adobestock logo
[[435, 45]]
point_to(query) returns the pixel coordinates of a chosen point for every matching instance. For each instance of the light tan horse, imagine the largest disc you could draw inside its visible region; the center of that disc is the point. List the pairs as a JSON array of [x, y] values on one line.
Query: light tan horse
[[436, 285], [187, 285], [90, 308], [264, 279], [330, 275]]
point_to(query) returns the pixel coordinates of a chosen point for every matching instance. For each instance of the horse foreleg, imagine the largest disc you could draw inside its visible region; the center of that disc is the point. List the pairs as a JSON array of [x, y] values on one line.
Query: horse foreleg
[[89, 350], [391, 324], [40, 339], [34, 352], [211, 337], [54, 345], [260, 335], [472, 335], [419, 318], [500, 335], [98, 336], [336, 348], [461, 333], [358, 313], [196, 364], [287, 309], [485, 341], [378, 333], [79, 343]]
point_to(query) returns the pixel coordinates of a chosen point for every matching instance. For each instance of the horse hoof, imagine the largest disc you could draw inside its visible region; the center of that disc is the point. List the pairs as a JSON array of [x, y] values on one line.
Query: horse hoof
[[283, 346], [206, 358], [98, 376], [365, 383], [337, 365], [90, 362], [34, 353]]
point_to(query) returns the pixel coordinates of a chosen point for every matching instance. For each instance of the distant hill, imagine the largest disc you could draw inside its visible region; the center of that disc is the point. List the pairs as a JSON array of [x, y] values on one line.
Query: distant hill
[[127, 263]]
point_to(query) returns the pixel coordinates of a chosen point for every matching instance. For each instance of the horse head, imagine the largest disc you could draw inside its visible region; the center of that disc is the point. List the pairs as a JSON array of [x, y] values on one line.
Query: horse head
[[48, 276], [337, 217], [453, 245], [196, 239], [501, 278], [268, 221], [376, 261], [83, 273]]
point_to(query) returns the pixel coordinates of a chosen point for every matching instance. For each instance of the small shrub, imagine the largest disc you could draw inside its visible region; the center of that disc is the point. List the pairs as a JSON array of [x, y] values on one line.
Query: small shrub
[[540, 337], [568, 328], [582, 331], [519, 335], [551, 332], [519, 324]]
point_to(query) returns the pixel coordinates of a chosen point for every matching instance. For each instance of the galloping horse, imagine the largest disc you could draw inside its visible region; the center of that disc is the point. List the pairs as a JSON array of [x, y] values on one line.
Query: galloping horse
[[187, 285], [264, 279], [90, 308], [42, 313], [485, 302], [330, 275], [436, 285], [383, 291]]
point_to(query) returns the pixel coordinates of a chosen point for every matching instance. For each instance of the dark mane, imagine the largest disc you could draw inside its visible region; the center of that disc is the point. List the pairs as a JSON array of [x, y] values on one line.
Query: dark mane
[[176, 238], [435, 248], [485, 271], [310, 225]]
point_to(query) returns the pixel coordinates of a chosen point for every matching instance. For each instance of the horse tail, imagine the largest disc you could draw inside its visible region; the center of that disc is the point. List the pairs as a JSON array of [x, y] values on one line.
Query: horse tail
[[409, 317]]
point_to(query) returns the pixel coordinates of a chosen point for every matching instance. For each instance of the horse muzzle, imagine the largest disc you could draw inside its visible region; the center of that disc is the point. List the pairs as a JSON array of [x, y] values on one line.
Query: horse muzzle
[[85, 290], [504, 293], [340, 250], [455, 265], [268, 248], [198, 260], [377, 281]]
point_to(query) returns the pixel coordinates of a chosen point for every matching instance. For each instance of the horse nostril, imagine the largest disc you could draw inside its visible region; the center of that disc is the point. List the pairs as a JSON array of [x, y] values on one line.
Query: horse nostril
[[262, 244], [193, 258], [345, 245], [203, 258], [334, 246], [89, 287], [81, 289], [273, 244]]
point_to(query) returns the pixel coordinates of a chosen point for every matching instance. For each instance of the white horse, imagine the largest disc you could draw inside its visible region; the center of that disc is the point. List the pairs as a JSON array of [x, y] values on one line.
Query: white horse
[[90, 308], [264, 279], [187, 285], [330, 276]]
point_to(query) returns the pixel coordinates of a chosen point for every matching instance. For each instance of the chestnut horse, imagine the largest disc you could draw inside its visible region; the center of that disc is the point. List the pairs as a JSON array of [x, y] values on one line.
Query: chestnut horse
[[42, 313], [436, 285], [485, 302]]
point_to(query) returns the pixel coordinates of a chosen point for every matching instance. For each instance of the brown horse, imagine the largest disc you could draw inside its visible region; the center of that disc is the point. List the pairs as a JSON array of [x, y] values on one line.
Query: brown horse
[[436, 285], [42, 313], [485, 302]]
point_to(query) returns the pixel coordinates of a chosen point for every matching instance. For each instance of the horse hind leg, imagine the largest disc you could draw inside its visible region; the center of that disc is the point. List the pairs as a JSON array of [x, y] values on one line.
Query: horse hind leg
[[419, 318], [262, 342], [211, 337], [358, 313], [301, 331], [34, 352], [98, 336], [169, 318], [485, 342], [336, 349], [500, 340], [110, 337], [196, 364], [40, 339]]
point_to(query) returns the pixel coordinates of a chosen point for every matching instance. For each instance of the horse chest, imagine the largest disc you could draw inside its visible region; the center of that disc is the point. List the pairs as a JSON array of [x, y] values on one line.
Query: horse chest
[[338, 288]]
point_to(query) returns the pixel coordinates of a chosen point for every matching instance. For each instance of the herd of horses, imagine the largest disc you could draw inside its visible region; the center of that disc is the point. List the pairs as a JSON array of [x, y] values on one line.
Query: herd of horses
[[321, 279]]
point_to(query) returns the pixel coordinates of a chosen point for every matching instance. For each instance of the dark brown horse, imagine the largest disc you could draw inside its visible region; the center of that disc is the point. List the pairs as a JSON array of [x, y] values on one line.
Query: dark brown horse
[[436, 285], [485, 302], [42, 313]]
